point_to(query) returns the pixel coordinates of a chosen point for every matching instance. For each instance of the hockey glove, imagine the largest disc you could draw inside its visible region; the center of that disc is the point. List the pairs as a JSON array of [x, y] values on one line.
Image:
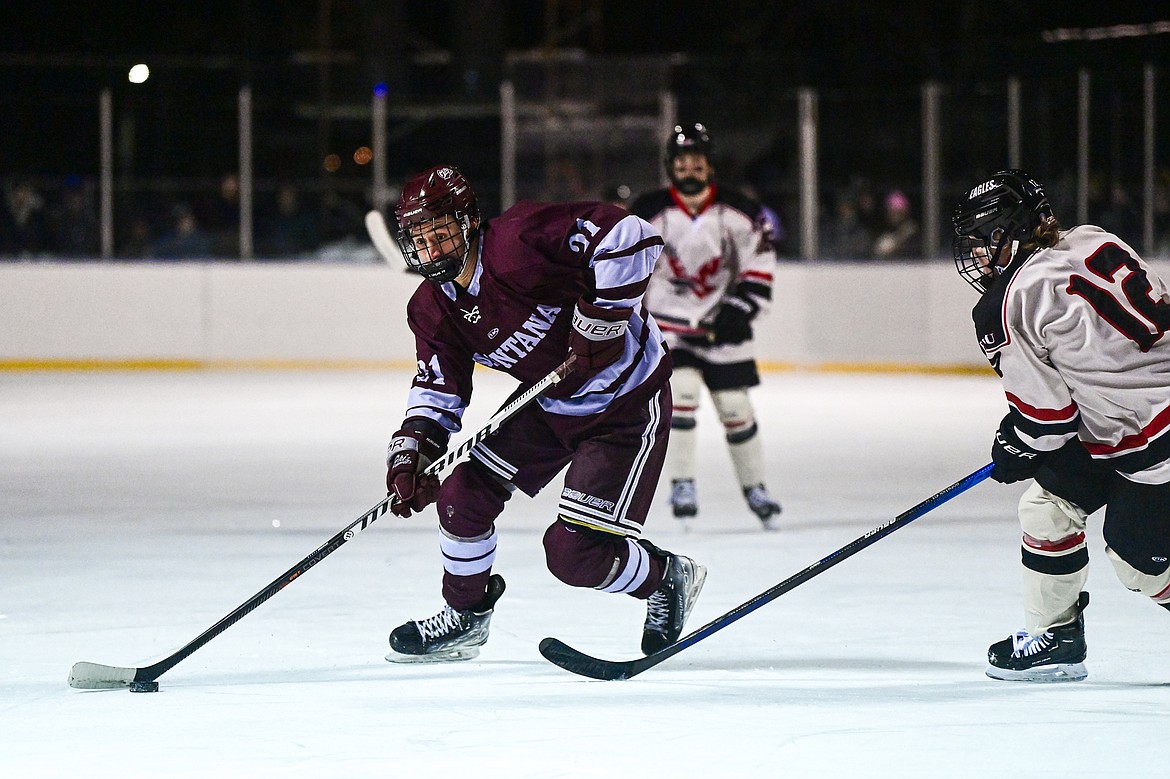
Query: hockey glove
[[419, 443], [597, 339], [1013, 459], [733, 321]]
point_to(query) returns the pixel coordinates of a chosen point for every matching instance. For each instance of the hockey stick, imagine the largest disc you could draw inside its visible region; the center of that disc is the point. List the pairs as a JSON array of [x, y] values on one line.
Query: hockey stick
[[95, 676], [380, 237], [571, 660]]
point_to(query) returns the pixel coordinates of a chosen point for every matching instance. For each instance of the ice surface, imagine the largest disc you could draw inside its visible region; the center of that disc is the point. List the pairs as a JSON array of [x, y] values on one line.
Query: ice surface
[[137, 509]]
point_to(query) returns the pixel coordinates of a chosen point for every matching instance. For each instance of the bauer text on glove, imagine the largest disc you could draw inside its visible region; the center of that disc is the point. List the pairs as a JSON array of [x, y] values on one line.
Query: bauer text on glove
[[419, 443], [1014, 460]]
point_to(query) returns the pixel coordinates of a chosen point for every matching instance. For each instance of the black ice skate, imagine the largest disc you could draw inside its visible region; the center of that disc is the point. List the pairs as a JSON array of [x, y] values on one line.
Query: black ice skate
[[669, 606], [1057, 655], [761, 503], [684, 498], [449, 635]]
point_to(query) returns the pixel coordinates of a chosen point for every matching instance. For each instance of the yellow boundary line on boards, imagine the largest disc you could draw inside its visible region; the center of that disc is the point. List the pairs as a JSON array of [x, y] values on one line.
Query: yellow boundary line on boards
[[379, 365]]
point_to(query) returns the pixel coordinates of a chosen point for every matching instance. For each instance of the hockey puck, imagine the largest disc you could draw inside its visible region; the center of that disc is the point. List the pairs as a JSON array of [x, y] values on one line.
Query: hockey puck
[[143, 686]]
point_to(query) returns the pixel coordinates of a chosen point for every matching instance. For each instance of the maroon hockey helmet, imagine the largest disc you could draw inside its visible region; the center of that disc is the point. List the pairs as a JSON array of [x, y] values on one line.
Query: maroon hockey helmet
[[1007, 207], [438, 216]]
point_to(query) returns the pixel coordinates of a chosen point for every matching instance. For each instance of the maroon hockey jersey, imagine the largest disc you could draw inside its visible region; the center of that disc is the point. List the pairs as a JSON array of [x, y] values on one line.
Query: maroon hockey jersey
[[535, 261]]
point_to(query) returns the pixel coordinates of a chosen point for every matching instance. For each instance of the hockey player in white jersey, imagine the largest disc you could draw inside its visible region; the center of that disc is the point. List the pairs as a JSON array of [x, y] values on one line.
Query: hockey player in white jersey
[[1074, 323], [711, 281]]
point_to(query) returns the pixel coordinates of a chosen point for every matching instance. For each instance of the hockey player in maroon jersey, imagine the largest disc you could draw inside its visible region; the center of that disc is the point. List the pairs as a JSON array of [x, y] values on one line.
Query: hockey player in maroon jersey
[[1074, 323], [713, 279], [520, 294]]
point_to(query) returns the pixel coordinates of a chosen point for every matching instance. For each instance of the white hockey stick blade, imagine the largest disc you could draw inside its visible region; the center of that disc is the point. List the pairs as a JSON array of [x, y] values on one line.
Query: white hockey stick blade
[[380, 236], [95, 676]]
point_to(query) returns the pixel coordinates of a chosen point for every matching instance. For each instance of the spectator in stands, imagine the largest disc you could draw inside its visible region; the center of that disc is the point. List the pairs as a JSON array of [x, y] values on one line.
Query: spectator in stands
[[844, 236], [24, 230], [74, 230], [899, 238], [187, 238], [140, 241], [292, 228], [776, 232], [220, 217]]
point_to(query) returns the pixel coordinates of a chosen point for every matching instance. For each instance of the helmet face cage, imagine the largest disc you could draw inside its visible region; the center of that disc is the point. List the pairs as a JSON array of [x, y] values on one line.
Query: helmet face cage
[[437, 217], [688, 139], [1000, 212]]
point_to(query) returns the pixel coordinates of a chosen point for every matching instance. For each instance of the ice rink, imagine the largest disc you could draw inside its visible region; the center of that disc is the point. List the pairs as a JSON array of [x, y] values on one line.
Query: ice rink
[[140, 508]]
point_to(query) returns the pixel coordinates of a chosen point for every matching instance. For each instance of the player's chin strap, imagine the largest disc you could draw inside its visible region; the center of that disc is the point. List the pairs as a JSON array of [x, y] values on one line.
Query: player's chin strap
[[95, 676]]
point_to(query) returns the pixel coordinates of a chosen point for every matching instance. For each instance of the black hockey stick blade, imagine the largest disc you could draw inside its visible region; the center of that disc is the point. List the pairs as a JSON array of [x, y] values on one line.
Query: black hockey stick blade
[[96, 676], [572, 660]]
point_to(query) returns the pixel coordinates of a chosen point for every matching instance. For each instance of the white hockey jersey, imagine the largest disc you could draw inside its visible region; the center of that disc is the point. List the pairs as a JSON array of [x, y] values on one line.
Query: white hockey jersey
[[725, 249], [1077, 334]]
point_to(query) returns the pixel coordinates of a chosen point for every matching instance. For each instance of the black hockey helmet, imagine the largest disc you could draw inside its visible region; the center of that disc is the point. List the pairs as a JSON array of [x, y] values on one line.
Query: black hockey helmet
[[1004, 209], [437, 200], [691, 138]]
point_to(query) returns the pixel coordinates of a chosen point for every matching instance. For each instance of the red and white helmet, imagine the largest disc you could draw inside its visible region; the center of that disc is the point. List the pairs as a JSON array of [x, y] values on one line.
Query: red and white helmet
[[437, 201]]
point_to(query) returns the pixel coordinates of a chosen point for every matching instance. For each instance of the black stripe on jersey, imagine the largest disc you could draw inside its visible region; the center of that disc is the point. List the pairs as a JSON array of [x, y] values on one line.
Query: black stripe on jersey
[[1059, 565], [1157, 451], [1035, 429]]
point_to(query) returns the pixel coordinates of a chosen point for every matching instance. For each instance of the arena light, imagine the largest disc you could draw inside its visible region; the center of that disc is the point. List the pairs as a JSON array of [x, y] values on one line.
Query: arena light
[[139, 73]]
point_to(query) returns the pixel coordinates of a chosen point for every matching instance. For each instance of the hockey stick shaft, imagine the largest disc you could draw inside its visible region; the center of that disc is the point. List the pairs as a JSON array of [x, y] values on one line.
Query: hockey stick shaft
[[582, 664], [92, 676]]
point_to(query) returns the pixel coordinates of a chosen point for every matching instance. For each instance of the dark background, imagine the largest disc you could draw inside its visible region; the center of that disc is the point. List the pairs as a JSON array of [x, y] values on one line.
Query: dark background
[[312, 65]]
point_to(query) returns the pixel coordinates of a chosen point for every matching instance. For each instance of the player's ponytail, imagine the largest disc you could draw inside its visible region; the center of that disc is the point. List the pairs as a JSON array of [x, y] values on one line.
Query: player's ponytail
[[1045, 235]]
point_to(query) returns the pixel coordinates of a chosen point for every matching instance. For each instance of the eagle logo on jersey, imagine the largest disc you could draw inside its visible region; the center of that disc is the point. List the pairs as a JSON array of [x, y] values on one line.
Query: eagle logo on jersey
[[700, 284]]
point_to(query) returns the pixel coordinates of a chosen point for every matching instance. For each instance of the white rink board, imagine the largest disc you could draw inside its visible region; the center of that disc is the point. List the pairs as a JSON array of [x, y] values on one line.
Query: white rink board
[[868, 314]]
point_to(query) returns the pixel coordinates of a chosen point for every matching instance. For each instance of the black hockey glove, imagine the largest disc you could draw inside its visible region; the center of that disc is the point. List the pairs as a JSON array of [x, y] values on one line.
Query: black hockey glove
[[419, 443], [1014, 460], [733, 321]]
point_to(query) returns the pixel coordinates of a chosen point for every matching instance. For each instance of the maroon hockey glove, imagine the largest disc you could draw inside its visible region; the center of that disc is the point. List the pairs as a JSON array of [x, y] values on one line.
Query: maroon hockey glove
[[598, 336], [1014, 460], [419, 443], [597, 339]]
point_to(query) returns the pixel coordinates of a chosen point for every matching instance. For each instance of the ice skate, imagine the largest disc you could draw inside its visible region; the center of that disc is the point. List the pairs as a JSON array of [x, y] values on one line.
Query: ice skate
[[1057, 655], [669, 606], [684, 498], [449, 635], [761, 504]]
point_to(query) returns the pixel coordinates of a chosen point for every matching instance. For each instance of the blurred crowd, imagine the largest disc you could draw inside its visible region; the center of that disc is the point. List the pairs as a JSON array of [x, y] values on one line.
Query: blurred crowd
[[859, 221], [62, 221]]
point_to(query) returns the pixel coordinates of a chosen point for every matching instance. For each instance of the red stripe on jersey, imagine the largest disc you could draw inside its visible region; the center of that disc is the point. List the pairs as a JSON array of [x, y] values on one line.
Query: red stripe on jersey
[[1135, 441], [671, 327], [1163, 594], [1066, 414], [674, 195], [1061, 545], [755, 275]]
